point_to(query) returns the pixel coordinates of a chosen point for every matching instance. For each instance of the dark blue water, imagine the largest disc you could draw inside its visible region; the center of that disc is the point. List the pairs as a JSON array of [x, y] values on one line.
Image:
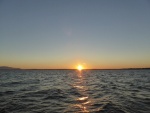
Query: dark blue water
[[71, 91]]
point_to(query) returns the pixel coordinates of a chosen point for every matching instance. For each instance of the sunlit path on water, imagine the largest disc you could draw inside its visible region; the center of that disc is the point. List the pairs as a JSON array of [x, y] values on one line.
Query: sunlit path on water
[[83, 102]]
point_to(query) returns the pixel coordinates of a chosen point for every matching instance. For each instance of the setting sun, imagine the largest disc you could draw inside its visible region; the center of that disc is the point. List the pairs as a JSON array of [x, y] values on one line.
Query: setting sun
[[79, 67]]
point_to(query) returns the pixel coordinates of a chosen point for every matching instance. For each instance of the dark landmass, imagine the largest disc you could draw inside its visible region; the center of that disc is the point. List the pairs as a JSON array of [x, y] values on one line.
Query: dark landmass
[[6, 67], [97, 69], [134, 68], [123, 69], [12, 68]]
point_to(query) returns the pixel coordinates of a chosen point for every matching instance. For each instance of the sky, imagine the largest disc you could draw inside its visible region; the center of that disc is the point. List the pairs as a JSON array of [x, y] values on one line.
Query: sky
[[60, 34]]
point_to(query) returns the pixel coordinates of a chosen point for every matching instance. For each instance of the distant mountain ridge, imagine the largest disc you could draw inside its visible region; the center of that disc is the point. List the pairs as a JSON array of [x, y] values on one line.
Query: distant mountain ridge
[[6, 67]]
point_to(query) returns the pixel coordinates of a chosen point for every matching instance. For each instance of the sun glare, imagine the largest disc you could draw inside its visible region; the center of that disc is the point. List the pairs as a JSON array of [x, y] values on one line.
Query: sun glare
[[79, 67]]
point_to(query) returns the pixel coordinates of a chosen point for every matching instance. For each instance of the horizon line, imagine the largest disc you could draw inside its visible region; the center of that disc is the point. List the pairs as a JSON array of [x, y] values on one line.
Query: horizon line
[[8, 67], [75, 69]]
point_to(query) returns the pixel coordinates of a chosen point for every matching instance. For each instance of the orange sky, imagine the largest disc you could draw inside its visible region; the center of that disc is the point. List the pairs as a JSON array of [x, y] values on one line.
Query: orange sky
[[97, 34]]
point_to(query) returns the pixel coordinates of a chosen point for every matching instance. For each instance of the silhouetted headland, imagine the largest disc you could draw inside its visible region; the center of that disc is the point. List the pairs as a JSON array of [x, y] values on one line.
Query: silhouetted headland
[[8, 68]]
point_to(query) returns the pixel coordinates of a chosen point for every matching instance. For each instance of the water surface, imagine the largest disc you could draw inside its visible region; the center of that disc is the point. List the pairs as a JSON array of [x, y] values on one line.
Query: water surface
[[72, 91]]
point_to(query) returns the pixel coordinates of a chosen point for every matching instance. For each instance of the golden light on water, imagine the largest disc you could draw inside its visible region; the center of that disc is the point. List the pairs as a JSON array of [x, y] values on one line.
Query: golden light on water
[[82, 98], [83, 102]]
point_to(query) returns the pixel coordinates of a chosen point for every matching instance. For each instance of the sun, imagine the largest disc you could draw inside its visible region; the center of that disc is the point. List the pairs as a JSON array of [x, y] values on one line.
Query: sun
[[79, 67]]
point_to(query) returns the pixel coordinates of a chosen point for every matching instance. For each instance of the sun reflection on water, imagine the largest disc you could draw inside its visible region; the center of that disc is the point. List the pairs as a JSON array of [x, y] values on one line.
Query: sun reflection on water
[[83, 101], [82, 98]]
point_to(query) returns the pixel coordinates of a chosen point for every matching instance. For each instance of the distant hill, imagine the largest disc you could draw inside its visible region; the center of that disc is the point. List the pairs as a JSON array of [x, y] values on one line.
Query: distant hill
[[135, 68], [6, 67]]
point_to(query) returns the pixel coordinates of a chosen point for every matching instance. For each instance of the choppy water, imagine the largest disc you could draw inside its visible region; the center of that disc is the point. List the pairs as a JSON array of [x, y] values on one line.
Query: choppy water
[[71, 91]]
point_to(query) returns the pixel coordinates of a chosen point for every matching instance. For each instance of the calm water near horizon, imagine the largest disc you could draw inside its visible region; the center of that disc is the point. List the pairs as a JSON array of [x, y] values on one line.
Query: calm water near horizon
[[72, 91]]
